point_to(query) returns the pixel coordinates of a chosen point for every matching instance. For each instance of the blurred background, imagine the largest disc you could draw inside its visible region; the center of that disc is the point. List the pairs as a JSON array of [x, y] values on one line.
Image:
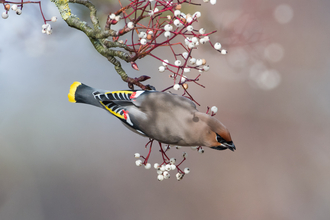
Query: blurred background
[[67, 161]]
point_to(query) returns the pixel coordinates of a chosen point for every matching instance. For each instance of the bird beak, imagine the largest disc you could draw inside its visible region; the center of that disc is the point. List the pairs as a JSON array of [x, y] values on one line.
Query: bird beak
[[225, 146]]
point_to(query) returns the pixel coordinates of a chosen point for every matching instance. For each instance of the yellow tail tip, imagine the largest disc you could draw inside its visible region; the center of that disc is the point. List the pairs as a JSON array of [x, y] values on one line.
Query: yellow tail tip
[[72, 92]]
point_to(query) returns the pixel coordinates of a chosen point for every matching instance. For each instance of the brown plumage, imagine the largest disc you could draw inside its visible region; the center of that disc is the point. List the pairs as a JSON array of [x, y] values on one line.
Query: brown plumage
[[168, 118]]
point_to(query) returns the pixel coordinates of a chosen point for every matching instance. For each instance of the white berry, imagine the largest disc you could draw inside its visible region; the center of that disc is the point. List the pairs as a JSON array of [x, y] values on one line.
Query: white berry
[[162, 168], [217, 46], [160, 177], [179, 176], [177, 63], [191, 45], [143, 41], [202, 31], [112, 16], [187, 41], [172, 160], [165, 62], [197, 14], [192, 60], [177, 22], [186, 70], [183, 79], [206, 38], [147, 166], [44, 27], [206, 67], [213, 2], [130, 25], [117, 18], [223, 51], [54, 19], [156, 165], [173, 167], [14, 7], [138, 163], [4, 15], [49, 30], [142, 34], [186, 170], [177, 12], [168, 167], [18, 11], [176, 87], [166, 175], [161, 69], [168, 27], [185, 55], [167, 34], [199, 62], [137, 155], [190, 28], [214, 109], [150, 13]]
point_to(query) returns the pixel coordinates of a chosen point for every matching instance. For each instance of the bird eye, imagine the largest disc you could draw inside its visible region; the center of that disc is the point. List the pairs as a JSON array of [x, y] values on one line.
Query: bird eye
[[220, 139]]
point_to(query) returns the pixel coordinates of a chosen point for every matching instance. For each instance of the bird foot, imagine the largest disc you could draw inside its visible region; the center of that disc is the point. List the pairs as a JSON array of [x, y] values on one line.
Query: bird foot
[[137, 81]]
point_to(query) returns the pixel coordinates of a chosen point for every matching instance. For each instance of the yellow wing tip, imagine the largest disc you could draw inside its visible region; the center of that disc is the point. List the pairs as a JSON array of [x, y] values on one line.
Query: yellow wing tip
[[72, 92]]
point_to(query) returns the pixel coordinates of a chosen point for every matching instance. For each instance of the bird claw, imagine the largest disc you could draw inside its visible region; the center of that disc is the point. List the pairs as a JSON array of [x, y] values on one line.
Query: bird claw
[[137, 81]]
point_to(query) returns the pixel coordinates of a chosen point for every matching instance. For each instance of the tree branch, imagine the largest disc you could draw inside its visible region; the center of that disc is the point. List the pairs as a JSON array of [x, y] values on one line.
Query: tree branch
[[98, 38]]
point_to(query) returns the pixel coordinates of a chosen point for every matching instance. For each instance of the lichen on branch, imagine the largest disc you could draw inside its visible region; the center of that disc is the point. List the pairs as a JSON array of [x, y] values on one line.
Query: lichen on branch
[[96, 35]]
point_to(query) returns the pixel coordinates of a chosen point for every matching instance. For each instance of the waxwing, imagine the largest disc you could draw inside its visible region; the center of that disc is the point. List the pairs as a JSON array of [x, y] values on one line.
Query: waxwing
[[165, 117]]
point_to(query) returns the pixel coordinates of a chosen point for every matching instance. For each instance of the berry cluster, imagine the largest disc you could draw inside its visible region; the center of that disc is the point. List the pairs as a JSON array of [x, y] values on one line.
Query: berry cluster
[[145, 25], [14, 7], [168, 164], [18, 7], [163, 24]]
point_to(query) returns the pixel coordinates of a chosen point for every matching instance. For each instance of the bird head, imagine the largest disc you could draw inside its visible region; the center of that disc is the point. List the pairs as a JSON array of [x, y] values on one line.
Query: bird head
[[217, 135], [224, 143]]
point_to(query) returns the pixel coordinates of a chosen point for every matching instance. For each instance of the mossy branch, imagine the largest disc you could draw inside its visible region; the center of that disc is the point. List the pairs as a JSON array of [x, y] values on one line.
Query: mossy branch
[[98, 37]]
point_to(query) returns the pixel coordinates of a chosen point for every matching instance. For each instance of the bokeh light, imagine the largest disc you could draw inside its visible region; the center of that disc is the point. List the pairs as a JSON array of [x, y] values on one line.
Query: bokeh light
[[283, 13], [274, 52], [60, 160]]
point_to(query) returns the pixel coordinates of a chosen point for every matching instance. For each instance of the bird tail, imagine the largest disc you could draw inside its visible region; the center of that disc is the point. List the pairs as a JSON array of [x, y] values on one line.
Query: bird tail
[[81, 93]]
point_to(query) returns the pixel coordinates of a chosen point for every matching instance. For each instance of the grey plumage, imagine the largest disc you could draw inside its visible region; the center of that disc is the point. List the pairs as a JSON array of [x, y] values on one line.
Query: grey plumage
[[168, 118]]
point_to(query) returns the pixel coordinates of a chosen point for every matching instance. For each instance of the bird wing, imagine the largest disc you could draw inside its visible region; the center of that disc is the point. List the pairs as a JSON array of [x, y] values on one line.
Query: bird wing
[[117, 102]]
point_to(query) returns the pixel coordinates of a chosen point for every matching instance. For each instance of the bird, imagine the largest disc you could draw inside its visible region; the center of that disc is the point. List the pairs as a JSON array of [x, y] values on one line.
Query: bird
[[165, 117]]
